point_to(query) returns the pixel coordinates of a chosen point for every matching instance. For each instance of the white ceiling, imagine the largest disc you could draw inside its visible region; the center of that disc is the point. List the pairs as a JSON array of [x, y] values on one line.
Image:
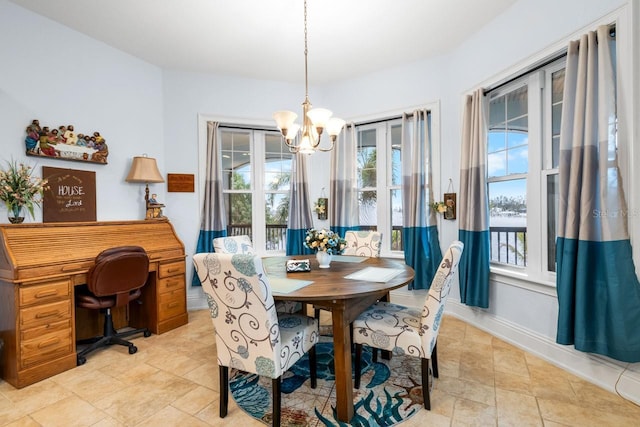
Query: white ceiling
[[265, 39]]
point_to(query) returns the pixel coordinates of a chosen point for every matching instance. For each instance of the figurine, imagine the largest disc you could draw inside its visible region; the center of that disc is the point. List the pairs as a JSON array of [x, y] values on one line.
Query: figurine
[[33, 135], [154, 208]]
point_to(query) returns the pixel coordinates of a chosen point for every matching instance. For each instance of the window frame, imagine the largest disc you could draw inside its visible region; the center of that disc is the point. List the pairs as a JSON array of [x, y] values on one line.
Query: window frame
[[386, 121], [257, 131]]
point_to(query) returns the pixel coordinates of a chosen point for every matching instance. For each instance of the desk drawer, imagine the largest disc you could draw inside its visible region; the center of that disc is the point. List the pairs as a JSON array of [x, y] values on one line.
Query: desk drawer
[[170, 284], [46, 347], [171, 304], [39, 331], [44, 293], [171, 269], [41, 315]]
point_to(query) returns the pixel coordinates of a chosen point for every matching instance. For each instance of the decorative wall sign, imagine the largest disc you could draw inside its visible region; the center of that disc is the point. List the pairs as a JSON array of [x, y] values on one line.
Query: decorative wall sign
[[450, 203], [180, 183], [71, 195], [64, 143]]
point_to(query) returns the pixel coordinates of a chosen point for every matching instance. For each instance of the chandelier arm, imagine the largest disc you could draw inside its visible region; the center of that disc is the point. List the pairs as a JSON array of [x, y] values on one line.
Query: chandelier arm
[[324, 150]]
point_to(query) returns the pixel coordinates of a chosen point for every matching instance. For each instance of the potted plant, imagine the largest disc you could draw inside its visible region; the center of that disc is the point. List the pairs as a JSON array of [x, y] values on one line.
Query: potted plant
[[19, 189]]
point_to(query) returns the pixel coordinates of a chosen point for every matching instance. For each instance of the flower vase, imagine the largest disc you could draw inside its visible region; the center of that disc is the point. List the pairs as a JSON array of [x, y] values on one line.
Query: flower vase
[[15, 214], [324, 259]]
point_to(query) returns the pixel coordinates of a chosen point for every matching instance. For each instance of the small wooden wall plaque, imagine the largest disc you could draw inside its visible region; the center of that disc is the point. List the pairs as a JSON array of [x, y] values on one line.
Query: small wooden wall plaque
[[180, 183]]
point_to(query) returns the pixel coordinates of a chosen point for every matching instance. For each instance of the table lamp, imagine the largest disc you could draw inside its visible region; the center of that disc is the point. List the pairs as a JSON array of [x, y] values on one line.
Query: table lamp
[[144, 169]]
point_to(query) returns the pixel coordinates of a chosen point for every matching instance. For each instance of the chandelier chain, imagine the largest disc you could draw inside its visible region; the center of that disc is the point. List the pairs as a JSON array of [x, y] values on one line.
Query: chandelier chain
[[306, 51]]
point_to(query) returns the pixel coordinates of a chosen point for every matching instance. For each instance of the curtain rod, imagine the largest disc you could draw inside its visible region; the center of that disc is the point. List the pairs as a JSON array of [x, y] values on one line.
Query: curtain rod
[[248, 127], [385, 119], [538, 65]]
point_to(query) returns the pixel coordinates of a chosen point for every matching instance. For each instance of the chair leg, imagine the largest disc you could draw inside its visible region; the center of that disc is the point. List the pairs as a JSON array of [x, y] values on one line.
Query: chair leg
[[316, 314], [275, 391], [358, 365], [224, 390], [313, 367], [425, 384], [434, 360]]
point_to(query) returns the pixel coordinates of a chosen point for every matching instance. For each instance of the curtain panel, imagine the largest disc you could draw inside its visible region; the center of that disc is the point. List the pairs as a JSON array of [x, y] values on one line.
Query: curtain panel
[[343, 198], [473, 212], [598, 289], [213, 223], [299, 210], [420, 231]]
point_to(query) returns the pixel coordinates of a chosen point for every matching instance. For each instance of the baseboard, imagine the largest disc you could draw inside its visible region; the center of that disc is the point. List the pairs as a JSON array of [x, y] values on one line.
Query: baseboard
[[599, 370]]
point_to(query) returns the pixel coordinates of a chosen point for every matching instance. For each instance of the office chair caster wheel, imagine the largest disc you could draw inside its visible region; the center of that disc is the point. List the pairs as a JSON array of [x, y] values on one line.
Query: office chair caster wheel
[[147, 334], [81, 360], [133, 349]]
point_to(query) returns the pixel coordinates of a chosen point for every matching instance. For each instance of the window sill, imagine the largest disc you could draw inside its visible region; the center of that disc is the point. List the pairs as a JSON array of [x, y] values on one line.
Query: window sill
[[522, 280]]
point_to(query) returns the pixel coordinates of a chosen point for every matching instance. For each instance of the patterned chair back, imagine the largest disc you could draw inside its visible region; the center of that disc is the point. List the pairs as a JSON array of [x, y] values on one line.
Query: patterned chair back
[[438, 292], [363, 243], [243, 312], [233, 245]]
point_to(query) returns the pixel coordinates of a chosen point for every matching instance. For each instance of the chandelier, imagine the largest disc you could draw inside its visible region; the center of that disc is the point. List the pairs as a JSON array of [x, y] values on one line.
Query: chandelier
[[314, 120]]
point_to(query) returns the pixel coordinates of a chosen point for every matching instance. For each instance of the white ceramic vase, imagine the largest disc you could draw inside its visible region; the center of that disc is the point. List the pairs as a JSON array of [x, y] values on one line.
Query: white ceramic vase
[[324, 259]]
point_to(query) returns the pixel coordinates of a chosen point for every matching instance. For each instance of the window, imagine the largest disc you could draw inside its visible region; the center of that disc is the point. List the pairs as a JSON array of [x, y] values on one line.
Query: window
[[523, 147], [507, 167], [379, 179], [523, 155], [256, 172]]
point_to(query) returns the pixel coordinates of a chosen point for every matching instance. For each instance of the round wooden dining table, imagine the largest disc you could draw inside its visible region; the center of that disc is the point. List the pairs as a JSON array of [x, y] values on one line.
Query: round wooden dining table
[[346, 298]]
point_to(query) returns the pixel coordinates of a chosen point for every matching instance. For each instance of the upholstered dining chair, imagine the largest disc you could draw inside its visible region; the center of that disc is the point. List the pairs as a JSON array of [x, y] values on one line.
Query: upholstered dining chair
[[363, 243], [115, 279], [233, 245], [250, 335], [243, 245], [408, 330]]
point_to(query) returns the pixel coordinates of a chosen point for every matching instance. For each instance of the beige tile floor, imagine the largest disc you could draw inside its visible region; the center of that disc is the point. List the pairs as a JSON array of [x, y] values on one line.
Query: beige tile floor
[[173, 381]]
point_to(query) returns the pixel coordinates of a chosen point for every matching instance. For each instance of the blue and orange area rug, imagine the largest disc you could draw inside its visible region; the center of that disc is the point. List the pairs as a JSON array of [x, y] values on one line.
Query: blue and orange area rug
[[390, 392]]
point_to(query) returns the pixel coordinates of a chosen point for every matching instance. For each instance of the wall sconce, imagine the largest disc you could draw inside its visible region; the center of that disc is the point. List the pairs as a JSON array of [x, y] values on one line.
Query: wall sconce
[[145, 169]]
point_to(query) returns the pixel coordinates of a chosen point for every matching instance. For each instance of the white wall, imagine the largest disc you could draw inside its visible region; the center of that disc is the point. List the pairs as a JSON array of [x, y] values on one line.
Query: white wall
[[61, 77]]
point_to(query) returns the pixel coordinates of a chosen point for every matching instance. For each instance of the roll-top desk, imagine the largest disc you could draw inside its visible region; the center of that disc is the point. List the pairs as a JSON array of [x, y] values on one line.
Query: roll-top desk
[[41, 263]]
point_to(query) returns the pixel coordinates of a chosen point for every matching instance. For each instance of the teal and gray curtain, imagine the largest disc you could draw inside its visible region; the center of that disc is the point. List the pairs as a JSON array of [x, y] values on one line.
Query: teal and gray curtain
[[473, 206], [420, 231], [598, 290], [213, 222], [343, 199], [299, 210]]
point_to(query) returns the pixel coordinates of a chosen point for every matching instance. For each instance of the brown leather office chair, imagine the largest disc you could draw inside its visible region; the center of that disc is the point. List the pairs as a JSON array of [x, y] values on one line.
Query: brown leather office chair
[[115, 280]]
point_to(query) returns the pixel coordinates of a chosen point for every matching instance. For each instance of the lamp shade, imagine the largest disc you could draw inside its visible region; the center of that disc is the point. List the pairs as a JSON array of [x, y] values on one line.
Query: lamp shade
[[144, 169]]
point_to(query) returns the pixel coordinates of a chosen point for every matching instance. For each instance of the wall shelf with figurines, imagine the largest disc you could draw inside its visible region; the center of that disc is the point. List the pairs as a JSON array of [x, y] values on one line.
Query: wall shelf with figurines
[[64, 143]]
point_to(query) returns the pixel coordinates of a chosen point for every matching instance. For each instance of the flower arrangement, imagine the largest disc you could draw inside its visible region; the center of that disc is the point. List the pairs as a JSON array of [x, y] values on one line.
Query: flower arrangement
[[18, 188], [325, 240], [439, 207]]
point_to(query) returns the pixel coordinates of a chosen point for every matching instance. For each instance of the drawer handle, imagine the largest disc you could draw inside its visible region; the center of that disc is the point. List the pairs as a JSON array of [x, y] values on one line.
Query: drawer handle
[[173, 270], [49, 343], [173, 304], [48, 293], [172, 283], [47, 314]]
